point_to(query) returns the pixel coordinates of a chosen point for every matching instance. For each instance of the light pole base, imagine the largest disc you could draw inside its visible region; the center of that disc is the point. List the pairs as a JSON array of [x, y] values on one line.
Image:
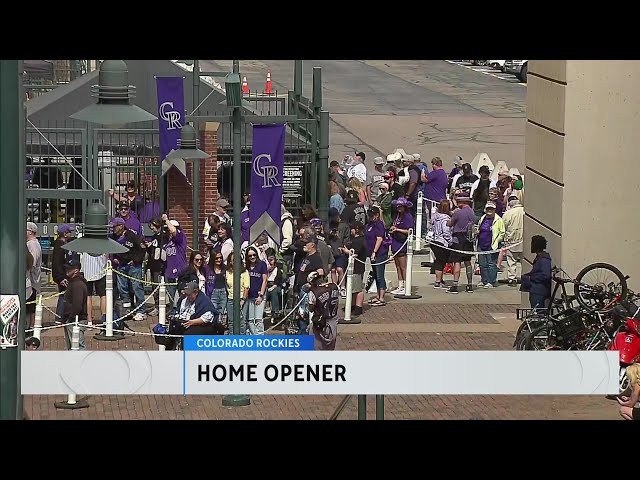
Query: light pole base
[[71, 406], [104, 338], [236, 400], [424, 251], [352, 321], [407, 297]]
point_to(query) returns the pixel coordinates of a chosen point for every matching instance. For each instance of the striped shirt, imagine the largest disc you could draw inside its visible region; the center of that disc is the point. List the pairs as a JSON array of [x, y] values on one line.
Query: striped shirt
[[94, 268]]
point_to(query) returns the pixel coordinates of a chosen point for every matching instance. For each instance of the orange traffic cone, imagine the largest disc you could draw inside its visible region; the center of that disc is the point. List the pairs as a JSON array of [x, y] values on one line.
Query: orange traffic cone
[[245, 86], [268, 89]]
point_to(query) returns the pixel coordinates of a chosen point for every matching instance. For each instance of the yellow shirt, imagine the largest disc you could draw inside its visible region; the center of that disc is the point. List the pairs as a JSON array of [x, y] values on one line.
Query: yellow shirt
[[244, 283]]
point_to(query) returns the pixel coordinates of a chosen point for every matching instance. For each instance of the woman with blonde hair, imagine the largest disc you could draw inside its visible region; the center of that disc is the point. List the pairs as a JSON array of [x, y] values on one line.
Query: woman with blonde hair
[[335, 199], [628, 408], [356, 185]]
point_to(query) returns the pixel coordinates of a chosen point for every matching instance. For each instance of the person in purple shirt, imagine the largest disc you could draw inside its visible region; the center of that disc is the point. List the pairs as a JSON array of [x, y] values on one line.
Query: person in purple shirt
[[135, 201], [176, 251], [375, 235], [462, 220], [254, 306], [131, 221], [435, 189], [399, 233]]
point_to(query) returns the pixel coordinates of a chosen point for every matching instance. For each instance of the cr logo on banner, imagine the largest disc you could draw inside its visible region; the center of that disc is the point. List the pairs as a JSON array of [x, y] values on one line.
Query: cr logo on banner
[[172, 117], [267, 172]]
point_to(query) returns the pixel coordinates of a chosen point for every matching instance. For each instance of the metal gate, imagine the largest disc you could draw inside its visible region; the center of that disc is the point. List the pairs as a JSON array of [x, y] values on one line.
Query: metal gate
[[61, 179]]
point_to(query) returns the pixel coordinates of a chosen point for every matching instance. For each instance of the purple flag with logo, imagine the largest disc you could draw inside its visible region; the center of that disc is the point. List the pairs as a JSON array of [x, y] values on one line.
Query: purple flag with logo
[[266, 181], [171, 116]]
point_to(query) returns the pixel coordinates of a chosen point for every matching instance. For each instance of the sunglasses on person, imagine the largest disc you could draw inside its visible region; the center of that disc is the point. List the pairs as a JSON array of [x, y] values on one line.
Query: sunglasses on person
[[197, 259], [252, 255], [218, 259]]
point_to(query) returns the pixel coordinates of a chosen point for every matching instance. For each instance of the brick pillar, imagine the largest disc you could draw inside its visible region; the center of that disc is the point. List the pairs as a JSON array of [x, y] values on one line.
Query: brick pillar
[[180, 192]]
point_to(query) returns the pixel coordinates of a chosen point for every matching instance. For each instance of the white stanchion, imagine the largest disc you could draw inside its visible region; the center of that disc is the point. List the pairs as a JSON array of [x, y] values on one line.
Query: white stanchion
[[108, 334], [419, 213], [408, 294], [162, 307], [109, 319], [37, 324], [349, 300], [72, 402]]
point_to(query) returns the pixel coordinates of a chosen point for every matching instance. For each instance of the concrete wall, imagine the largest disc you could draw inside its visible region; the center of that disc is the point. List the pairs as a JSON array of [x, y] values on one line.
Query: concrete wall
[[582, 150]]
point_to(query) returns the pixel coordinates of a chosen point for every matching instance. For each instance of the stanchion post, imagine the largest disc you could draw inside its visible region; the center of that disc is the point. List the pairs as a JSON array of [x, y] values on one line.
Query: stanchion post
[[37, 325], [419, 213], [362, 407], [379, 407], [408, 294], [162, 308], [348, 301], [108, 335], [72, 403]]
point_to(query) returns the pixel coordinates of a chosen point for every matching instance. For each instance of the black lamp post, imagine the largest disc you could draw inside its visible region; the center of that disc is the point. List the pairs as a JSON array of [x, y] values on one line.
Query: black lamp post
[[95, 239], [233, 89]]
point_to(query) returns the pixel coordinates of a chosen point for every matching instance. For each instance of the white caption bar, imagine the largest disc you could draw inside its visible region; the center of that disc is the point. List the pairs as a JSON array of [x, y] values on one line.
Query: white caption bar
[[338, 372]]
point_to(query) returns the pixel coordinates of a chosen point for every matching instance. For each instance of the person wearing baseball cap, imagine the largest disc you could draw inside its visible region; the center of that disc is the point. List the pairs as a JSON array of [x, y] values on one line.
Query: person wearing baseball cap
[[399, 231], [66, 232], [135, 201], [130, 219], [324, 299], [455, 171], [394, 187], [129, 264], [490, 235], [384, 202], [199, 316], [75, 300], [176, 253], [466, 179], [358, 168], [358, 244], [462, 224], [222, 205], [33, 245], [374, 179]]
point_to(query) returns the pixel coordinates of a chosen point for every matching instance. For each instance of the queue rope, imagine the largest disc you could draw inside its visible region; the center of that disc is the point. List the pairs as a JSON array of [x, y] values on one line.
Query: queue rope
[[388, 259], [472, 252]]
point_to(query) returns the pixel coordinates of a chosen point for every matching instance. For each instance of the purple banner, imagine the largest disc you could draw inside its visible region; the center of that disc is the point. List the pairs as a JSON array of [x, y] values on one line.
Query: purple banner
[[171, 115], [266, 181]]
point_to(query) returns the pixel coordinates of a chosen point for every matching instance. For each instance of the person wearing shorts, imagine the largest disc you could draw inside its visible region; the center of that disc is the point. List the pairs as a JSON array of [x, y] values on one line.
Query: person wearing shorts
[[461, 221]]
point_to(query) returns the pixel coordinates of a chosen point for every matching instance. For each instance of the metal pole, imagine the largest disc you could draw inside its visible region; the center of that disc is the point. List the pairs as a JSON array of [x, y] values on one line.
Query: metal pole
[[12, 231], [419, 213], [236, 400], [348, 301], [37, 324], [109, 290], [362, 407], [196, 163], [162, 307], [323, 171], [379, 407]]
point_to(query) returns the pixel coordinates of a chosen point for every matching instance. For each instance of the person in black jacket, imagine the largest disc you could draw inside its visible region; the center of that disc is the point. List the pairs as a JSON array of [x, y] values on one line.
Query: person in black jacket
[[538, 281], [130, 264], [65, 234], [75, 301]]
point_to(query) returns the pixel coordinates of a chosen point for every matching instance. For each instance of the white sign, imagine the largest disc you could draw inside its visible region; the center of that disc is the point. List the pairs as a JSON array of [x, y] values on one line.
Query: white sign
[[320, 372], [9, 306]]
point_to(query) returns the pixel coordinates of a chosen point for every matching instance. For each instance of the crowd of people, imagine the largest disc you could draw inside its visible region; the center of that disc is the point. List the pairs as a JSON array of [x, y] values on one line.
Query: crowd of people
[[371, 214]]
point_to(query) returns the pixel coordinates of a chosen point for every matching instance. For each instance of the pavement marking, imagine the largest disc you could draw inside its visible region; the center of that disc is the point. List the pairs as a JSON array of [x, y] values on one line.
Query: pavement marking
[[425, 328], [488, 71]]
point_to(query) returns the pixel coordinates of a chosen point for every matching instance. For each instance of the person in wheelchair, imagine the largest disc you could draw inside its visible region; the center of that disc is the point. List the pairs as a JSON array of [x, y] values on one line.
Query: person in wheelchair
[[196, 313]]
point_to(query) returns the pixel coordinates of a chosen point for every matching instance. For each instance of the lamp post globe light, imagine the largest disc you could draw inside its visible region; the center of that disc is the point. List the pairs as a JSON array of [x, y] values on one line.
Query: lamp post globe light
[[115, 95], [95, 239]]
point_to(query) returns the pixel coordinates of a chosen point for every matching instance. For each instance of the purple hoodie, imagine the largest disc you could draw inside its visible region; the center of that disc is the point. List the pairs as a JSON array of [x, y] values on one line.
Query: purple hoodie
[[132, 223], [244, 225]]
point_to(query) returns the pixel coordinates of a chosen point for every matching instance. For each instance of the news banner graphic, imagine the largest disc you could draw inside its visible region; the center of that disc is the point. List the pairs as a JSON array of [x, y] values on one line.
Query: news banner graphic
[[288, 365]]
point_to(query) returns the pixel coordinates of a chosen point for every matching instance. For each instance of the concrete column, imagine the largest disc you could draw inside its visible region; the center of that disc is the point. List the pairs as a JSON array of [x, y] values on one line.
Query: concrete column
[[582, 147]]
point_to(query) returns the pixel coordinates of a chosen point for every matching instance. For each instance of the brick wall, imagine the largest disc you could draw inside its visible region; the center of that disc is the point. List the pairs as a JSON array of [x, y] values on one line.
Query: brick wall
[[180, 192]]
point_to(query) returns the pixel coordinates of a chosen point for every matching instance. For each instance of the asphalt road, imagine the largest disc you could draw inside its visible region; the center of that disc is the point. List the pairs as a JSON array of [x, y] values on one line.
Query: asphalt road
[[430, 107]]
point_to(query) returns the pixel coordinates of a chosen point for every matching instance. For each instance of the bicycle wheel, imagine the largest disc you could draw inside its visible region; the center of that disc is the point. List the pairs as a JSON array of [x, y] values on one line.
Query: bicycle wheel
[[597, 285], [538, 339]]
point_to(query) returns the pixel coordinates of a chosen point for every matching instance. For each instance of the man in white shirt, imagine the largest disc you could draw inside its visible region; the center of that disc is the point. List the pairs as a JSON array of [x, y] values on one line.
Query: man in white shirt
[[513, 225], [33, 245], [358, 169], [95, 273]]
